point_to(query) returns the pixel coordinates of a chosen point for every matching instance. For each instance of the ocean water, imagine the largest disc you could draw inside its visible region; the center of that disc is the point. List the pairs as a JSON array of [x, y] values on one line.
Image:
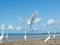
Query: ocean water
[[17, 37]]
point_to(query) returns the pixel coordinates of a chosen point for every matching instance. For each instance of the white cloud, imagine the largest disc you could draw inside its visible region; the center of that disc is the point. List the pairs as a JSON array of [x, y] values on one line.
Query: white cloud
[[37, 20], [18, 28], [51, 22], [10, 27]]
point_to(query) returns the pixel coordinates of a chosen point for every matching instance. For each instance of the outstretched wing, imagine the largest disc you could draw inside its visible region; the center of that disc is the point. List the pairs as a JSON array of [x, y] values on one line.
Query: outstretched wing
[[30, 21], [37, 20], [21, 19]]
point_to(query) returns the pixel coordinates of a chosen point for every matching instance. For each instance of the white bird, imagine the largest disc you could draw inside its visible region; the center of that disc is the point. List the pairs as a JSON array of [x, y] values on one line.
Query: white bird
[[54, 34], [47, 37], [25, 37], [31, 21], [10, 27], [7, 36], [1, 37], [54, 37], [37, 20]]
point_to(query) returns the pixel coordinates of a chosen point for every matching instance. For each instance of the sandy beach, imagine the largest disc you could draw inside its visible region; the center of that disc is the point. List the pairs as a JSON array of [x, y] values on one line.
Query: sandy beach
[[33, 42]]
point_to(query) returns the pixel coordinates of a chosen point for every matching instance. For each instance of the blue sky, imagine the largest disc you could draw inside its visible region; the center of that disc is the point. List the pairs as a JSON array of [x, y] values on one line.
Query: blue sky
[[10, 10]]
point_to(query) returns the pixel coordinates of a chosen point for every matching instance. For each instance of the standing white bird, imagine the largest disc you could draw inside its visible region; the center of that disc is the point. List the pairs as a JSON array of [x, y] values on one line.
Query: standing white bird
[[54, 36], [1, 37], [25, 37], [47, 37], [7, 36], [10, 27]]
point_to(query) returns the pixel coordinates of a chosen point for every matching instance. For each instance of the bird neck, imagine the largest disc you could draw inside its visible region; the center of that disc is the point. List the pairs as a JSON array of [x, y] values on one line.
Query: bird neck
[[49, 34]]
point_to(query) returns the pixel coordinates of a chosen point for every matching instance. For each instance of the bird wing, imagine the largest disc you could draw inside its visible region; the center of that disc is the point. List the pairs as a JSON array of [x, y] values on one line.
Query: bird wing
[[37, 20], [32, 17]]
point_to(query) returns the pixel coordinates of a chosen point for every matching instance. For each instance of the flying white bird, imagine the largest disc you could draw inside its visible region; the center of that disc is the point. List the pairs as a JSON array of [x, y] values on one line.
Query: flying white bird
[[47, 37], [31, 20], [1, 37], [21, 19]]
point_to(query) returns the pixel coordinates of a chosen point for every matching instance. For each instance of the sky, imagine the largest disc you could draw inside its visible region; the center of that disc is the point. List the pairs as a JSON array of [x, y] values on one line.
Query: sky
[[10, 10]]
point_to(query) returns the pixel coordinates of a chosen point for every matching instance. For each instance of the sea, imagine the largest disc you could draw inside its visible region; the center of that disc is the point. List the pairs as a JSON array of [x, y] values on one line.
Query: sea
[[17, 37]]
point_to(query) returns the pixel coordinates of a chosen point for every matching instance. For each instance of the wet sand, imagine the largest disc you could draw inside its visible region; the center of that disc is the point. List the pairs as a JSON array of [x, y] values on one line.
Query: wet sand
[[33, 42]]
